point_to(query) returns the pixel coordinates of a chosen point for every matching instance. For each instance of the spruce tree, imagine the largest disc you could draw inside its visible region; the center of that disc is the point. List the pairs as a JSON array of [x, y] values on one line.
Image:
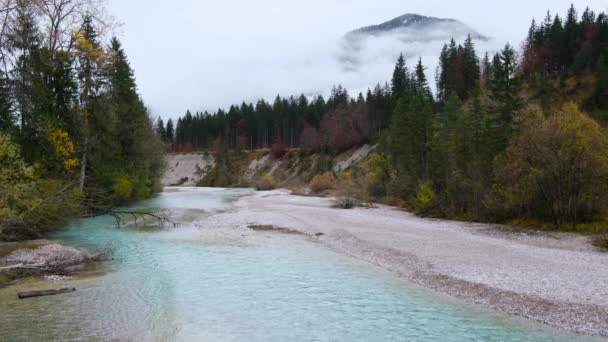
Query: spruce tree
[[400, 75], [160, 129], [170, 132], [471, 69], [505, 90], [420, 80]]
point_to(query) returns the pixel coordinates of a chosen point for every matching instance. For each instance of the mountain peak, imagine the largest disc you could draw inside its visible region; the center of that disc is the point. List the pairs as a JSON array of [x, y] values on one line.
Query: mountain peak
[[411, 21]]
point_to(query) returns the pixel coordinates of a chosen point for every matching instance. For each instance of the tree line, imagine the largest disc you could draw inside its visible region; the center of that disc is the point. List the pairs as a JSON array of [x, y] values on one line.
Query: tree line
[[337, 122], [505, 136], [75, 135]]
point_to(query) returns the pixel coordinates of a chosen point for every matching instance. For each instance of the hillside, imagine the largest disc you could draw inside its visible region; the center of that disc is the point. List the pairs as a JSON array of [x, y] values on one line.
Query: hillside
[[294, 170]]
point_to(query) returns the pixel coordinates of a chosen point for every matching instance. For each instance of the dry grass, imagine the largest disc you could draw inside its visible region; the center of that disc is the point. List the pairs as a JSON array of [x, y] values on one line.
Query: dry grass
[[323, 182]]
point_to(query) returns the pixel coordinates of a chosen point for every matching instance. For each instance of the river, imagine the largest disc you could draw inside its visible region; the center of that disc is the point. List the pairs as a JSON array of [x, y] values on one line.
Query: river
[[186, 284]]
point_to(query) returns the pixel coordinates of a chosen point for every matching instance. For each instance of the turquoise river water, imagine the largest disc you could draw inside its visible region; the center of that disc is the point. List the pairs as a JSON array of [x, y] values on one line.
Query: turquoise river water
[[172, 285]]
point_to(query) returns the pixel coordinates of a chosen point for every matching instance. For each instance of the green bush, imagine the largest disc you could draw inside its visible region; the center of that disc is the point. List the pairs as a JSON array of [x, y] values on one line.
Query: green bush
[[425, 200]]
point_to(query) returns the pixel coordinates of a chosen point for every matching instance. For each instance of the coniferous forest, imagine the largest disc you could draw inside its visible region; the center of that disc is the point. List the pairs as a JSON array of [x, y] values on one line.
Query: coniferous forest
[[519, 135], [75, 136]]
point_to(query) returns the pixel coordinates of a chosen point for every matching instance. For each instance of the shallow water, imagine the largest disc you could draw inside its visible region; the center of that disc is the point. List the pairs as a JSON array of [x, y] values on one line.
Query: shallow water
[[184, 285]]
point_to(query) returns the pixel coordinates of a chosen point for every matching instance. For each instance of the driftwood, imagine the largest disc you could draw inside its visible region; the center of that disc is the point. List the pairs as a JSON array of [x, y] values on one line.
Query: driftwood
[[181, 181], [30, 294]]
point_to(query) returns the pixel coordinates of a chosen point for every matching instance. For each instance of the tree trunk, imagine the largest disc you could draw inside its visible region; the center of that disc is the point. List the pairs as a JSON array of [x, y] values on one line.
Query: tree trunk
[[83, 166]]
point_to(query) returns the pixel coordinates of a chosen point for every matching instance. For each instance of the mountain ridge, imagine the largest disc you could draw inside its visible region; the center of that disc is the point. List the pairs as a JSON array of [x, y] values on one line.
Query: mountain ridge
[[412, 21]]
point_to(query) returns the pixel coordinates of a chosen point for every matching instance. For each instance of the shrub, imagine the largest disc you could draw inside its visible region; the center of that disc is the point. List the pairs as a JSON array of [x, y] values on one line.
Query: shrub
[[123, 188], [323, 182], [265, 183], [425, 199], [345, 202], [601, 242], [278, 150], [375, 175]]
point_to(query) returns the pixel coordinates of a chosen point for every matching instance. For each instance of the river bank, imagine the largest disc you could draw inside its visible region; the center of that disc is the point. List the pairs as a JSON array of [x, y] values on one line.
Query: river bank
[[556, 279]]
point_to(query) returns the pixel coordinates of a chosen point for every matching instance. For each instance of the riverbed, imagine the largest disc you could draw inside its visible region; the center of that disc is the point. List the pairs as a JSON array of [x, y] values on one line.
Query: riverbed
[[213, 279]]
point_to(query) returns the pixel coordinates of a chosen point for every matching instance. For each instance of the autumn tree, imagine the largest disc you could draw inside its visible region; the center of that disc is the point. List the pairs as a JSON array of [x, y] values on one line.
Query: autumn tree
[[556, 167]]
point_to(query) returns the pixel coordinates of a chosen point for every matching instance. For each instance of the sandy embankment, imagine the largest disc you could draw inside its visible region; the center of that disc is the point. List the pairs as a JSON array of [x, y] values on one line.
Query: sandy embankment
[[557, 279], [186, 169]]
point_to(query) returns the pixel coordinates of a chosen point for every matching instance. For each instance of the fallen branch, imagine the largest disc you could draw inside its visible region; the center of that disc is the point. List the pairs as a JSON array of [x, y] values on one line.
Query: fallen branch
[[30, 294], [162, 217]]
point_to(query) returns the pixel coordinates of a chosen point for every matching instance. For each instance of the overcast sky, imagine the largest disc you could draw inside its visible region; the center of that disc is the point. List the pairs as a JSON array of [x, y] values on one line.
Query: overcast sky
[[200, 55]]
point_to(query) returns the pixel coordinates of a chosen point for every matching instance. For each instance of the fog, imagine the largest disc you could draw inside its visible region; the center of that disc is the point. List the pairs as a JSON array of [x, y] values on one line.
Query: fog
[[201, 55]]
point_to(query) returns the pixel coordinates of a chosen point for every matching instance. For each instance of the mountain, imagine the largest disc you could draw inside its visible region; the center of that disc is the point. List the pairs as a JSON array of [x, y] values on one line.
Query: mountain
[[411, 34], [410, 23]]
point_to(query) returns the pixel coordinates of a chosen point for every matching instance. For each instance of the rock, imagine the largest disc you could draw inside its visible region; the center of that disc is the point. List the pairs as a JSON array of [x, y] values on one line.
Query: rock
[[55, 277], [51, 256]]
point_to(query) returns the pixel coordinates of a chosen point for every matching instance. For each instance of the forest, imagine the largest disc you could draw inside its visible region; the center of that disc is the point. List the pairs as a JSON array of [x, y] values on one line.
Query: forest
[[75, 137], [517, 136]]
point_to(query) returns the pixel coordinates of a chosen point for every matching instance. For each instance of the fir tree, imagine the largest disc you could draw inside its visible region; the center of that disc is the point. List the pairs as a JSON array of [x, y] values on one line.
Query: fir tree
[[400, 76], [170, 132]]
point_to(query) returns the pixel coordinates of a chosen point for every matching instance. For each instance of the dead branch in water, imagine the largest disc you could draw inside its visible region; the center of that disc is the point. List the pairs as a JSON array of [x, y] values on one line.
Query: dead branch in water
[[162, 217]]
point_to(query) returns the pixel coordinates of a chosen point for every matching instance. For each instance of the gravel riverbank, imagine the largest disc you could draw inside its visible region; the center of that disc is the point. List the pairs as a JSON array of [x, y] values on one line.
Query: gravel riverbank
[[557, 279]]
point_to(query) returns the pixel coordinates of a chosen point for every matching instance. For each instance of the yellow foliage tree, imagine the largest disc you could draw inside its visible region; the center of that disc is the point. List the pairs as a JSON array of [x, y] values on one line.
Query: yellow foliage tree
[[64, 149]]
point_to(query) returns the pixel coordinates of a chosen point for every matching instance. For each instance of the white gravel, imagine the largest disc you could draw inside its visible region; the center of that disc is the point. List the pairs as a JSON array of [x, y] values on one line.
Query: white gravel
[[558, 279]]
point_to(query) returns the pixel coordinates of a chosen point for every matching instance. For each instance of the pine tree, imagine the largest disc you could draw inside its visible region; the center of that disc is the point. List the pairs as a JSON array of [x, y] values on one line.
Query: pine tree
[[570, 36], [139, 143], [421, 81], [400, 76], [441, 77], [170, 132], [410, 139], [505, 90], [472, 69], [486, 70], [160, 129]]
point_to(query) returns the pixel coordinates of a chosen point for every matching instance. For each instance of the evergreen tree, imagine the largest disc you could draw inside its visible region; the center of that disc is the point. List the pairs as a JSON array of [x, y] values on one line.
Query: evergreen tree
[[400, 77], [505, 90], [486, 70], [471, 69], [170, 132], [160, 129], [421, 81], [410, 139]]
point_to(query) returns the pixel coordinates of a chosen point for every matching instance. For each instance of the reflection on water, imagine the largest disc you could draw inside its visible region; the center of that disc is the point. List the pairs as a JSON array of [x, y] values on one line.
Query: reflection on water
[[175, 285]]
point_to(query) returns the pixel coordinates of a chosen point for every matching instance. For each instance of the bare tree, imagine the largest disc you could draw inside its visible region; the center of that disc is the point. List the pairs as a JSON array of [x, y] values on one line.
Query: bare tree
[[7, 8]]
